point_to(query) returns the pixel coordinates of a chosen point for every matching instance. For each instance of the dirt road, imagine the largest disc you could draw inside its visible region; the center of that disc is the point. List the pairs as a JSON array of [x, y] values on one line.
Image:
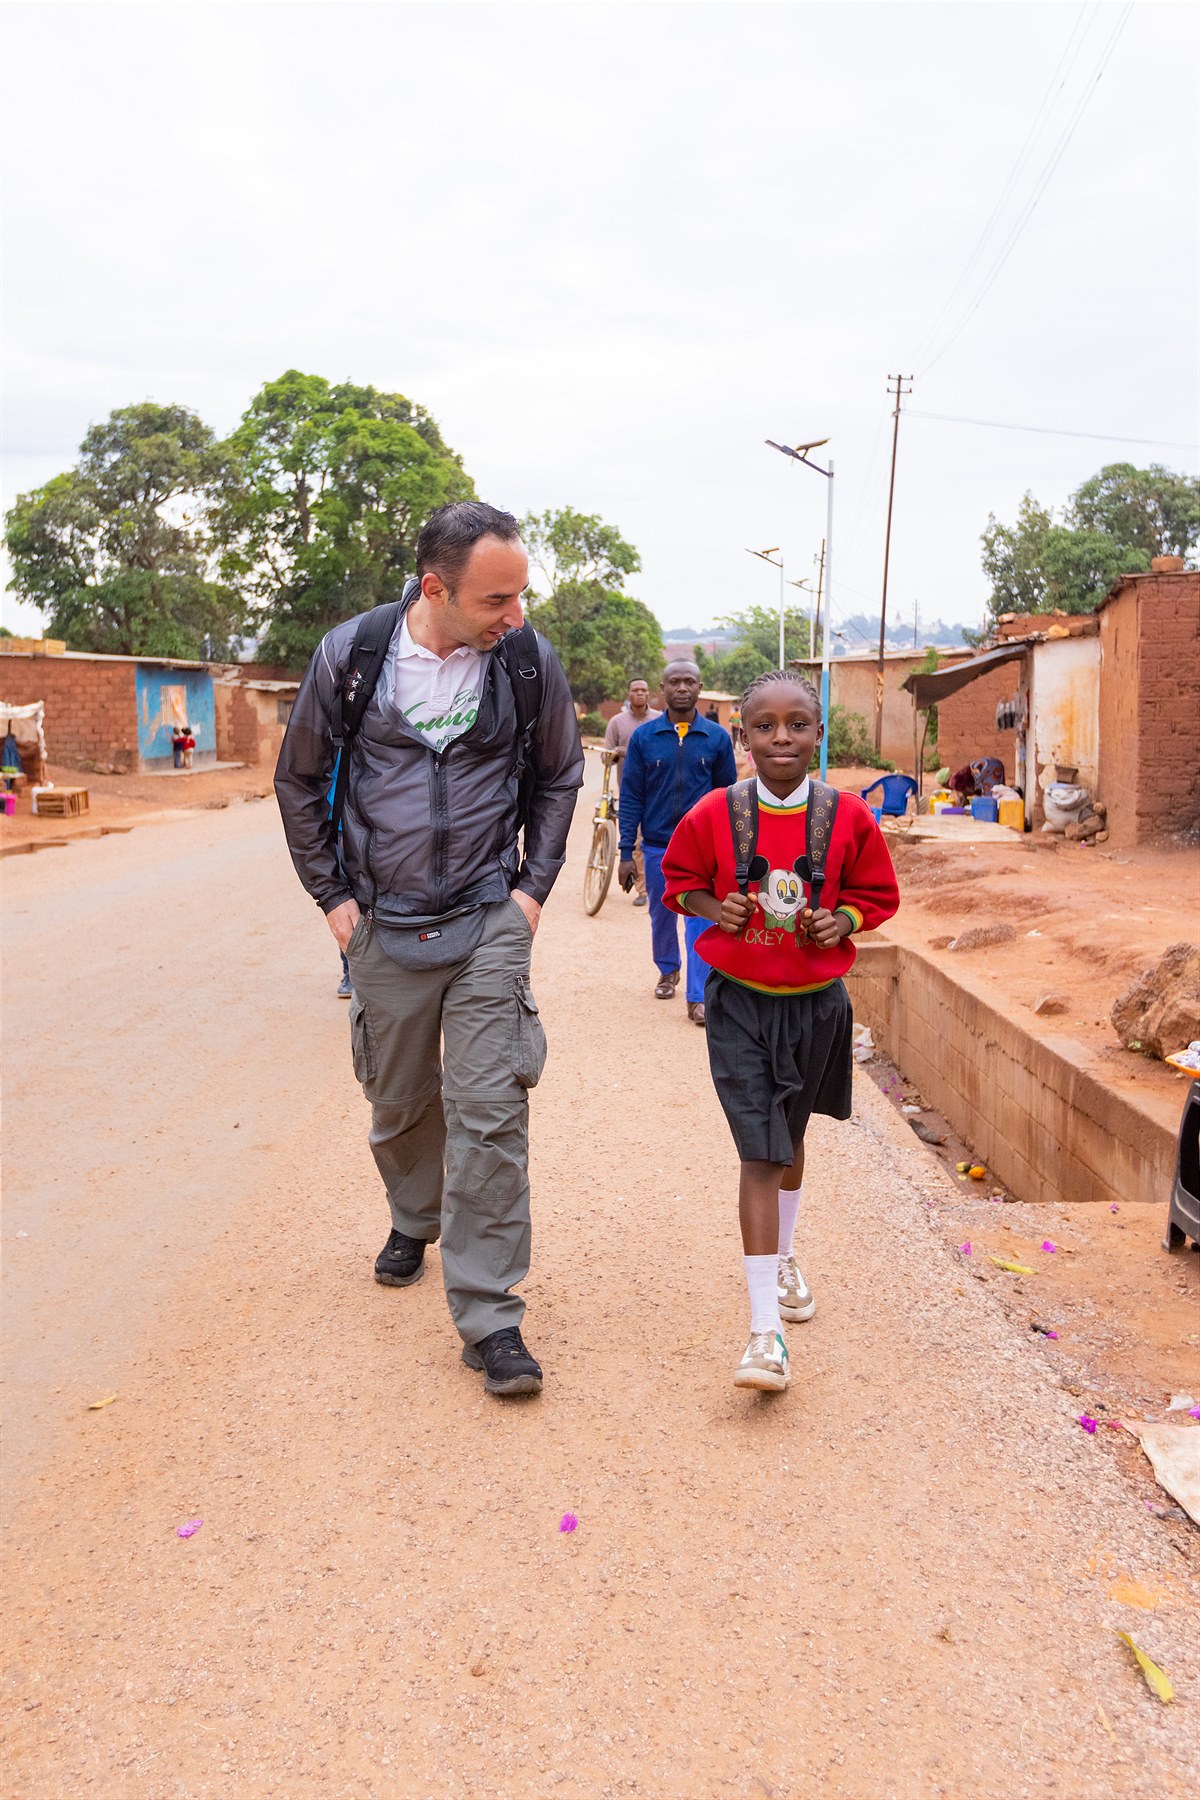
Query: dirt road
[[900, 1579]]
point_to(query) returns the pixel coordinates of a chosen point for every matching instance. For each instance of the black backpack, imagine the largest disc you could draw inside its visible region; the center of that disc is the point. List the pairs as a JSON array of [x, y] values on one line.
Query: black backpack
[[519, 655], [743, 821]]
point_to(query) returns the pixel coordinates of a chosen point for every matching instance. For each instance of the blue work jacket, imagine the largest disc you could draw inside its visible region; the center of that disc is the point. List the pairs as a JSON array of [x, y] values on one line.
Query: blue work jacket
[[664, 775]]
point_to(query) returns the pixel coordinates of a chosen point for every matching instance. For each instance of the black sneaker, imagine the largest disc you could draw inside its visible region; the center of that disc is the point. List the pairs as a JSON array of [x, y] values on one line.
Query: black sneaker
[[507, 1365], [401, 1261]]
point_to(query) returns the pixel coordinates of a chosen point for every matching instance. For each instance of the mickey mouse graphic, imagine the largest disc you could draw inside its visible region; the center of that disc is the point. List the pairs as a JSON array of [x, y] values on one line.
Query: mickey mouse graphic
[[782, 896]]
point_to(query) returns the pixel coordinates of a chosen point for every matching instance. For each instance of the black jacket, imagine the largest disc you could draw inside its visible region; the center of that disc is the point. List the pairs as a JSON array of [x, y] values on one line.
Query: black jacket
[[423, 832]]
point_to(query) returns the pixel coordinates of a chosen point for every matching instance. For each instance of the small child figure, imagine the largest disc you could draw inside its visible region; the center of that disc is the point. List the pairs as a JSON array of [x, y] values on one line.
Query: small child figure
[[188, 745], [778, 1015], [177, 736]]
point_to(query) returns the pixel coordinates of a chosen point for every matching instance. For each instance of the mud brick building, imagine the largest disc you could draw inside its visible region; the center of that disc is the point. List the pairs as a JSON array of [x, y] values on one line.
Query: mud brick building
[[113, 713]]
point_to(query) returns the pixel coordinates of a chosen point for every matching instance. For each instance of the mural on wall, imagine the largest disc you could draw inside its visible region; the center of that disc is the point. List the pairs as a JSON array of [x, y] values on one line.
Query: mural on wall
[[170, 697]]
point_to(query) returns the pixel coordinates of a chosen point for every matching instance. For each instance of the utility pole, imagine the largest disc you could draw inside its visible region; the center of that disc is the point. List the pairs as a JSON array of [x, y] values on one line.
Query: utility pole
[[900, 390], [812, 650]]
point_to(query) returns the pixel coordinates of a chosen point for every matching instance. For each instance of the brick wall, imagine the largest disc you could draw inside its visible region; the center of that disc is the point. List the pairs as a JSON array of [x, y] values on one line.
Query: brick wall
[[1150, 705], [237, 723], [91, 707], [967, 721], [1168, 783]]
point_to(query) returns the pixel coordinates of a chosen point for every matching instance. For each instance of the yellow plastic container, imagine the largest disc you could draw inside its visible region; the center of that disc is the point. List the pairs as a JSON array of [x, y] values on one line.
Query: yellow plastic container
[[1012, 814], [940, 794]]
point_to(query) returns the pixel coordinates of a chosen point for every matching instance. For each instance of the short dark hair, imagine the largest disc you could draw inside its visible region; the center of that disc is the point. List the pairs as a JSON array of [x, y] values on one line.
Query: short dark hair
[[638, 681], [450, 533], [791, 677]]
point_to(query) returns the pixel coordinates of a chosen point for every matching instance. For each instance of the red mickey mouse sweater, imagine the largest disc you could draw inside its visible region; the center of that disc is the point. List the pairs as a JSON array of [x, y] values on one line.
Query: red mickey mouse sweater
[[767, 953]]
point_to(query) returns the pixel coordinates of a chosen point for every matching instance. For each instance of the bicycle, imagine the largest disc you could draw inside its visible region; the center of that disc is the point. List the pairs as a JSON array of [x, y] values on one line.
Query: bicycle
[[602, 857]]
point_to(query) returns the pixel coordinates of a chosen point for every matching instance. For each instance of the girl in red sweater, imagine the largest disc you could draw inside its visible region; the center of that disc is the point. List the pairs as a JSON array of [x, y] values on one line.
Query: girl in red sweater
[[777, 1012]]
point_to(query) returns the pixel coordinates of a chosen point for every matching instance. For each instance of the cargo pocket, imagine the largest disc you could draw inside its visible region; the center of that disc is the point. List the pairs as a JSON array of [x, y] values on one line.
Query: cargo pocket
[[362, 1042], [529, 1039]]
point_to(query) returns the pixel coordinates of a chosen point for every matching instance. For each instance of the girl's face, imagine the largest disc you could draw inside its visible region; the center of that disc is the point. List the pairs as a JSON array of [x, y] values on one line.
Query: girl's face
[[781, 726]]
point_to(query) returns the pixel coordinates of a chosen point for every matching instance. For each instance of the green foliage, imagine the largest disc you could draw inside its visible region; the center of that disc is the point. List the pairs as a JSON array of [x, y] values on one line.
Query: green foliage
[[592, 724], [1112, 525], [757, 628], [851, 743], [569, 548], [328, 486], [604, 639], [116, 551]]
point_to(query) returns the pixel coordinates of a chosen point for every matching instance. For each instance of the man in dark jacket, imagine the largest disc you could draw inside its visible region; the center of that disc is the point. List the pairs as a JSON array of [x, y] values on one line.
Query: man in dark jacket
[[672, 761], [435, 908]]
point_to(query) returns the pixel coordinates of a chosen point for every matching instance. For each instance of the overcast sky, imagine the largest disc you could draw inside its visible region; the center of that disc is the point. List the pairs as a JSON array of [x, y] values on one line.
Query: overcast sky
[[614, 247]]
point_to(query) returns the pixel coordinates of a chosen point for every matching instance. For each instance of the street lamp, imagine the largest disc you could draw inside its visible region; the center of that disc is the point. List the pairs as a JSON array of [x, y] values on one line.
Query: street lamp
[[769, 556], [812, 606], [801, 454]]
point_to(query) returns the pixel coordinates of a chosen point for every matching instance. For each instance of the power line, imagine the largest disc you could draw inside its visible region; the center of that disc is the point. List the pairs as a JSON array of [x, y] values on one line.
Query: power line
[[1039, 188], [1053, 87], [1100, 437]]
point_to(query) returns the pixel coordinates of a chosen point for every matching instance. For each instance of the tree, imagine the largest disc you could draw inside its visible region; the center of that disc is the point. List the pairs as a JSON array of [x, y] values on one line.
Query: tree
[[328, 486], [1111, 526], [568, 547], [1150, 509], [604, 638], [117, 553], [755, 649]]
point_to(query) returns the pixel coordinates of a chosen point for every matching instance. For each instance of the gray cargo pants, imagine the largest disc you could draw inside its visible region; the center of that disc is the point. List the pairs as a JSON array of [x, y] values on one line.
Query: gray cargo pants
[[453, 1147]]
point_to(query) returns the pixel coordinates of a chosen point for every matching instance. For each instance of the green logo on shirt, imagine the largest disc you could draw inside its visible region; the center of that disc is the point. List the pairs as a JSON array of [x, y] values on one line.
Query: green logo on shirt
[[451, 722]]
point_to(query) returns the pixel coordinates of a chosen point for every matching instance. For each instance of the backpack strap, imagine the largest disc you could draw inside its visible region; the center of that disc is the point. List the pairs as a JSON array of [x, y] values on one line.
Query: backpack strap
[[521, 658], [363, 670], [822, 810], [742, 800]]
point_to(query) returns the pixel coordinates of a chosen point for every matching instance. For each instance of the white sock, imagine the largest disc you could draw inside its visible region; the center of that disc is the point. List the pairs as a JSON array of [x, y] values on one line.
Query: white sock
[[764, 1299], [789, 1206]]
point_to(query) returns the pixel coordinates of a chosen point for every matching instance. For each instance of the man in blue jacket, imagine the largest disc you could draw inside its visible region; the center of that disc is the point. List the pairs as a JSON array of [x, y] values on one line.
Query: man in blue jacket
[[672, 761]]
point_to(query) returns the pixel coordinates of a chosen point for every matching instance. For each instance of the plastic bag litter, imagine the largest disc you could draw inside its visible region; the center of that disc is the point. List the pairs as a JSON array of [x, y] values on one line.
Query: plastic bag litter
[[1174, 1453], [864, 1044]]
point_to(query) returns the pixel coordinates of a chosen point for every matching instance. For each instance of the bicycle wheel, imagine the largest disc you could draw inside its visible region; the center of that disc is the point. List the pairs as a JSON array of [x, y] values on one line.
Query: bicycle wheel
[[601, 862]]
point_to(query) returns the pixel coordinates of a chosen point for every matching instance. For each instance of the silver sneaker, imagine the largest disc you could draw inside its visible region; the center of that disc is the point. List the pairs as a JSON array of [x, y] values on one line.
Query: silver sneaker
[[795, 1301], [764, 1363]]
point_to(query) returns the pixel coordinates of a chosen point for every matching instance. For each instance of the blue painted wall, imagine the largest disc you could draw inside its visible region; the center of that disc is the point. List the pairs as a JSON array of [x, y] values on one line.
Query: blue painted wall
[[162, 694]]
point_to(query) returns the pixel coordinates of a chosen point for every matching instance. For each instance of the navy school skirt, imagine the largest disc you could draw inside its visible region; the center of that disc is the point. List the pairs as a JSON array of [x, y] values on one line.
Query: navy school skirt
[[776, 1059]]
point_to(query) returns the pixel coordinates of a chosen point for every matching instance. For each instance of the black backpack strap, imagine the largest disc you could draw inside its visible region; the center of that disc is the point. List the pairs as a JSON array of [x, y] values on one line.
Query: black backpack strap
[[363, 670], [822, 810], [521, 657], [742, 799]]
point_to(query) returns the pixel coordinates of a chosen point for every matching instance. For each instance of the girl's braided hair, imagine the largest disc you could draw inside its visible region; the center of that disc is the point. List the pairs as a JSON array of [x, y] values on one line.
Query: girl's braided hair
[[791, 677]]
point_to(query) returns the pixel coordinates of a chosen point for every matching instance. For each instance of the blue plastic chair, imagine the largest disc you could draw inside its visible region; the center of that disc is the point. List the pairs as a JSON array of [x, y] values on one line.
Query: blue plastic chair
[[896, 789]]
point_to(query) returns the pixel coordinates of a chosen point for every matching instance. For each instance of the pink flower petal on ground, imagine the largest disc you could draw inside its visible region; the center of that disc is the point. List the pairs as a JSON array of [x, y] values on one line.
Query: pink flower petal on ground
[[190, 1529], [1048, 1246], [1193, 1412], [1052, 1334], [1089, 1425], [1112, 1209], [964, 1249], [568, 1522]]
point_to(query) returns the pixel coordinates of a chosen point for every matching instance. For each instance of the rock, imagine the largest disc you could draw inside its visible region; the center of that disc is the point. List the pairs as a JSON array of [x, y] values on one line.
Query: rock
[[1102, 837], [1161, 1011], [1083, 828], [941, 943], [1052, 1003], [979, 937], [926, 1133]]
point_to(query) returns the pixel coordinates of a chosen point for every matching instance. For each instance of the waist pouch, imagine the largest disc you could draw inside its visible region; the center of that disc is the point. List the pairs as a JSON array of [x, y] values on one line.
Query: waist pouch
[[430, 943]]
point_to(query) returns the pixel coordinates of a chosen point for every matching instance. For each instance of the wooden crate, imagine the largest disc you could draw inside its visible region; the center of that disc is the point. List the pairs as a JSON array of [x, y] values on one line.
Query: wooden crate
[[60, 803]]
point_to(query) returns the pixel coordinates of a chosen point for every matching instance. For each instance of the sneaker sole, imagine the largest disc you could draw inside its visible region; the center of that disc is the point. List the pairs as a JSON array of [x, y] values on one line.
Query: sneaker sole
[[516, 1384], [400, 1280], [761, 1378], [796, 1315]]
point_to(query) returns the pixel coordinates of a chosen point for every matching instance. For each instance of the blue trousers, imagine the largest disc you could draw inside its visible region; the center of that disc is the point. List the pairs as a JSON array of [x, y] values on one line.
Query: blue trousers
[[664, 930]]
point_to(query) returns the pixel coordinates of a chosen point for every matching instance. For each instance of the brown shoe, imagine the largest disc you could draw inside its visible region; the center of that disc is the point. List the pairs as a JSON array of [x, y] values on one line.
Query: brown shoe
[[696, 1012], [667, 985]]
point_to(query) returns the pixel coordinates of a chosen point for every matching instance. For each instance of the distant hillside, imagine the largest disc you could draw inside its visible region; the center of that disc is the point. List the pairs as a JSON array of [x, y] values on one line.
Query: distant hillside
[[861, 628]]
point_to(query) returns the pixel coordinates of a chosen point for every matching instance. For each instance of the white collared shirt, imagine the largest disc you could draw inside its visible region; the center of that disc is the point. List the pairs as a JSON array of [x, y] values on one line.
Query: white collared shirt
[[438, 695], [798, 798]]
